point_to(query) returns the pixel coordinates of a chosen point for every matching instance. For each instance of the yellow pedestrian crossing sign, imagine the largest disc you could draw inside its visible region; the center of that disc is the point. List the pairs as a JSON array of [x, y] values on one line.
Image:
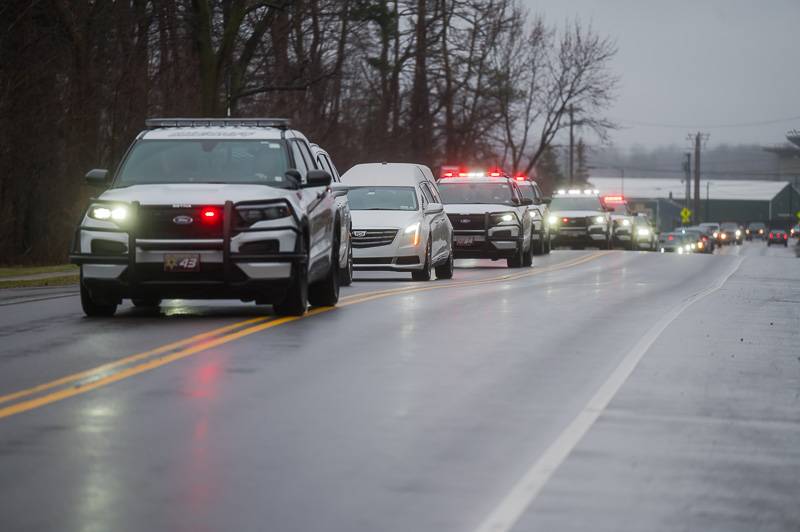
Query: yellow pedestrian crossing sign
[[686, 215]]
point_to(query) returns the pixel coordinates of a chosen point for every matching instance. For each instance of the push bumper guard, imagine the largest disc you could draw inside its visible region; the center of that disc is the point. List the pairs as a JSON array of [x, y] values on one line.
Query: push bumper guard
[[141, 280], [485, 248]]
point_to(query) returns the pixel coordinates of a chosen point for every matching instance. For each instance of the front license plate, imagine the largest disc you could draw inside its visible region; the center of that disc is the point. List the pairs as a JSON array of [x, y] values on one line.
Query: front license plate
[[468, 240], [182, 263]]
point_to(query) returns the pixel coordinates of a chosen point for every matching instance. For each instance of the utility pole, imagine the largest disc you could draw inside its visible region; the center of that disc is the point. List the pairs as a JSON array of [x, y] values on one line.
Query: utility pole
[[571, 145], [698, 138], [687, 172]]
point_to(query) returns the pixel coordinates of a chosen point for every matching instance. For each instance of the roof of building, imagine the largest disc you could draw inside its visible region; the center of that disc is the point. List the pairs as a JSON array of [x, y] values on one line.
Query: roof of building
[[720, 189]]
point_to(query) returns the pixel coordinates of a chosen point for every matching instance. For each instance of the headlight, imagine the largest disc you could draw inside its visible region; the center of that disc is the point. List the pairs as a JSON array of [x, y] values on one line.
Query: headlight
[[552, 220], [504, 218], [413, 230], [535, 215], [680, 251], [252, 214], [643, 231], [716, 234], [738, 233], [694, 245], [626, 223], [117, 213], [723, 236], [599, 219]]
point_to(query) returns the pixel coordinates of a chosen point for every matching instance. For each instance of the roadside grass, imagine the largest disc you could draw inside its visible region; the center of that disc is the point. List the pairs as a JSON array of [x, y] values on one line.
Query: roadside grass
[[62, 280], [18, 271]]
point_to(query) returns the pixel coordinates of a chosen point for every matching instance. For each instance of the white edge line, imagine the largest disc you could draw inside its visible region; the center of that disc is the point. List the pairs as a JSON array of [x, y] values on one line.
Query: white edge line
[[511, 508]]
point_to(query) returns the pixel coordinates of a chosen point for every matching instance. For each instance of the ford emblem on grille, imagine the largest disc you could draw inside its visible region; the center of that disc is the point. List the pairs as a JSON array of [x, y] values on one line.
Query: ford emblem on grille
[[465, 220], [183, 220], [359, 233]]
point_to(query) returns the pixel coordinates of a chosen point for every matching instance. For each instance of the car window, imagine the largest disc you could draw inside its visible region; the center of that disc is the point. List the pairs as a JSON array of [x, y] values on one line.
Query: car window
[[306, 151], [299, 161], [323, 163], [527, 191], [426, 193], [434, 192]]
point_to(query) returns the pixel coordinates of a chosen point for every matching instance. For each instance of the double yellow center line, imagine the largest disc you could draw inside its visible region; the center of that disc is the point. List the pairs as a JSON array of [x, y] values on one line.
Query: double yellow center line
[[105, 374]]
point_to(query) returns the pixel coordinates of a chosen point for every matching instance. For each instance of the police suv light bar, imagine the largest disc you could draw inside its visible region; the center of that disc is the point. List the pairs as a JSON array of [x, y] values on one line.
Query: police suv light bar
[[280, 123], [577, 192]]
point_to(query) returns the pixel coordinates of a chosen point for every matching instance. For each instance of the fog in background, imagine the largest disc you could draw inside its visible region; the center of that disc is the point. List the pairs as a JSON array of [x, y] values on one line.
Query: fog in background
[[697, 65]]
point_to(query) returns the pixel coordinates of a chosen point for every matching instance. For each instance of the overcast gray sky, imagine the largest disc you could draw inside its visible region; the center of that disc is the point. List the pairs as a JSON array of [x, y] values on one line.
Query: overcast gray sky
[[697, 63]]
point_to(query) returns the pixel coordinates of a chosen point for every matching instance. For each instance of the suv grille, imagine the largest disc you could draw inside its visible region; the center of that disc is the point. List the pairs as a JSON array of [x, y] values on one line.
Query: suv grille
[[572, 222], [158, 222], [466, 222], [370, 238]]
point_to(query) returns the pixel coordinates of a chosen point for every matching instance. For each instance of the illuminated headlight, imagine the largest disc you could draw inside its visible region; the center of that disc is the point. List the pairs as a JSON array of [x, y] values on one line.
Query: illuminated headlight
[[761, 231], [626, 223], [716, 234], [643, 231], [738, 233], [412, 233], [747, 231], [552, 220], [505, 218], [535, 215], [680, 251], [723, 236], [599, 219], [116, 213], [257, 213], [694, 245], [662, 250]]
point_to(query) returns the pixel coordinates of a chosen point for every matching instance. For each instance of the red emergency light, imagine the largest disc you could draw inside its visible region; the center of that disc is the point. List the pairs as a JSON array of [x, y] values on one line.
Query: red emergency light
[[614, 199], [210, 215]]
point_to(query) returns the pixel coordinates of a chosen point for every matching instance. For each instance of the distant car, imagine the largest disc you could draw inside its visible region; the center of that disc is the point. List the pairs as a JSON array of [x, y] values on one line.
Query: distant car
[[778, 237], [755, 230], [645, 232], [399, 223], [622, 221], [675, 242], [700, 241], [490, 217], [794, 232], [730, 233], [579, 219], [712, 228]]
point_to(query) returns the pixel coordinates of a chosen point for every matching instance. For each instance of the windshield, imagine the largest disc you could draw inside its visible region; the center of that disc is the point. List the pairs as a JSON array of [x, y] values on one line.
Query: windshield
[[678, 238], [577, 203], [382, 199], [756, 225], [459, 193], [730, 227], [206, 161]]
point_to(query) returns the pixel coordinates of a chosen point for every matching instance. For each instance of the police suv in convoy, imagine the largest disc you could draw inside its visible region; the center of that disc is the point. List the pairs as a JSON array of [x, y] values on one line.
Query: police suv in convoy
[[212, 208], [490, 217], [578, 219], [622, 221]]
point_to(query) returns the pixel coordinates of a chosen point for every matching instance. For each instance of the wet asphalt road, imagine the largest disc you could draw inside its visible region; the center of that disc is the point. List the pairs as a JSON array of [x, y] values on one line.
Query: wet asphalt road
[[607, 391]]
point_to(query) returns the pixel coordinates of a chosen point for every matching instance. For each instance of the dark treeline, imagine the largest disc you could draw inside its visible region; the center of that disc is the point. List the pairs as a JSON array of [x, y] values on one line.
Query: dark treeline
[[431, 81]]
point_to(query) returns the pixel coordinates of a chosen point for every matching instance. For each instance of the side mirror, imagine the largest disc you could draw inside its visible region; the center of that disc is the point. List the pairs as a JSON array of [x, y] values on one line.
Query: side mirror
[[547, 200], [294, 177], [526, 201], [434, 208], [317, 178], [97, 177]]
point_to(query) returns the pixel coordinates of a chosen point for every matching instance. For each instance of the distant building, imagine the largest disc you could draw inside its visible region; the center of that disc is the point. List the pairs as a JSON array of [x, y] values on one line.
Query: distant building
[[788, 157], [775, 202]]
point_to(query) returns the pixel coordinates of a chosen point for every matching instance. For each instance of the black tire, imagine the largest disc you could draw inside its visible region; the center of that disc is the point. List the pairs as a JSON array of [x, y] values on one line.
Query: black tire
[[94, 308], [445, 270], [425, 273], [146, 303], [346, 275], [609, 243], [517, 260], [325, 293], [295, 302], [527, 258], [548, 246]]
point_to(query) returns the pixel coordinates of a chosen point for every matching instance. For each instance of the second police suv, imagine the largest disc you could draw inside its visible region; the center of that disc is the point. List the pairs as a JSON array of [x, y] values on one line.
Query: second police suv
[[579, 219], [490, 216]]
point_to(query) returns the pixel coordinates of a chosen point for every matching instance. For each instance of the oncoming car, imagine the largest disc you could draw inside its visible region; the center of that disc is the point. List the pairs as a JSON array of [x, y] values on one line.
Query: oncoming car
[[579, 219], [399, 223], [676, 242], [212, 209], [490, 217]]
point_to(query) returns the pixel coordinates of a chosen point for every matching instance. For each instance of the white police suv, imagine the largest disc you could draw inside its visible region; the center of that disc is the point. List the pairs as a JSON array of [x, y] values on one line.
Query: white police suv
[[490, 217], [578, 218], [212, 208]]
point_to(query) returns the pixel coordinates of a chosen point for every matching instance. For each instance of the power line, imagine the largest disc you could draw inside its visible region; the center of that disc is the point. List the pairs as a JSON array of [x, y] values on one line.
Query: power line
[[710, 126]]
